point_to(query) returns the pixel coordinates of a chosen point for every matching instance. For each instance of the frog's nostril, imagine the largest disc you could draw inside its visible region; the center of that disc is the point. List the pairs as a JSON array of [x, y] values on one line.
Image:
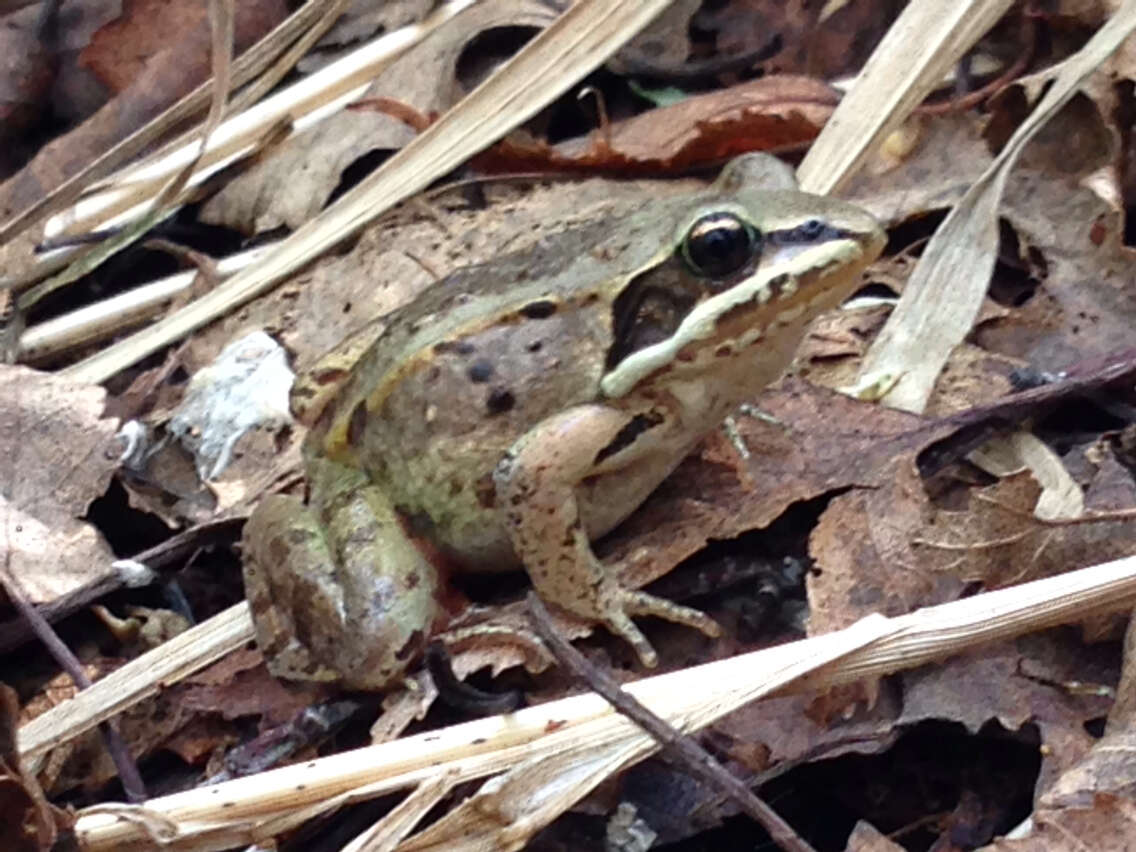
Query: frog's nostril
[[812, 229]]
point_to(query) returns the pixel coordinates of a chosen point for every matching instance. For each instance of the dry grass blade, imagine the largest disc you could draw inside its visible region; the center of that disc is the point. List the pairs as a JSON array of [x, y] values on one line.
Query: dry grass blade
[[307, 23], [129, 194], [387, 832], [944, 293], [101, 319], [927, 39], [579, 40], [221, 21], [594, 740], [125, 687]]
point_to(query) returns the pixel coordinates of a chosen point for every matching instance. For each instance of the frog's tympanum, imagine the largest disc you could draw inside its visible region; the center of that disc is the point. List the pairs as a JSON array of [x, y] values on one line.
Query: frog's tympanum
[[520, 409]]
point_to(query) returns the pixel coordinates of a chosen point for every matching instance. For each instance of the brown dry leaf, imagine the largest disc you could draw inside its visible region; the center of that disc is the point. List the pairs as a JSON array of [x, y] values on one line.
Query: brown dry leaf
[[1052, 680], [769, 732], [60, 454], [892, 550], [825, 442], [120, 51], [201, 739], [69, 94], [665, 42], [920, 46], [574, 44], [945, 291], [768, 114], [26, 76], [362, 19], [1087, 13], [30, 823], [83, 760], [1107, 824], [1097, 792], [239, 685], [193, 718], [295, 182], [1077, 141], [85, 764], [793, 34], [755, 739], [948, 156], [1078, 300], [1086, 304], [179, 64]]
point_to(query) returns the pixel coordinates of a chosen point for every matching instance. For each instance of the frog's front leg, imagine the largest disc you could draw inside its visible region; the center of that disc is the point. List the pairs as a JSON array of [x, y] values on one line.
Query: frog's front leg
[[337, 590], [536, 487]]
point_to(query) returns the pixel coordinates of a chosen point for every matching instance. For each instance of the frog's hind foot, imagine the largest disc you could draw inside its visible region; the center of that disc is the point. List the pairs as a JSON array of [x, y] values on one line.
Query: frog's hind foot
[[338, 593], [620, 606]]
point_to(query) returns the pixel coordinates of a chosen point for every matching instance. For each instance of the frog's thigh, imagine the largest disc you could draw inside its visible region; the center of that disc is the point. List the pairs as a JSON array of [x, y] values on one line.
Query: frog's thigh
[[345, 596], [536, 488]]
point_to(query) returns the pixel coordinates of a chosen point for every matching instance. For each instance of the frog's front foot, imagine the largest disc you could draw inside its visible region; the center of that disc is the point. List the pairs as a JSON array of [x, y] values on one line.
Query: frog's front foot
[[536, 487]]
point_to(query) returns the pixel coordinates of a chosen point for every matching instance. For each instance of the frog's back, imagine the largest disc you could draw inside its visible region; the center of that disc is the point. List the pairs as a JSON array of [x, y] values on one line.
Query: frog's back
[[472, 364]]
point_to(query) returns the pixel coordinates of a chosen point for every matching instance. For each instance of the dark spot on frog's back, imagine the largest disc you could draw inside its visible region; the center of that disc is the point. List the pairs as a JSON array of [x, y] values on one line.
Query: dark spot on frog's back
[[480, 371], [500, 400], [357, 426], [417, 524], [540, 309]]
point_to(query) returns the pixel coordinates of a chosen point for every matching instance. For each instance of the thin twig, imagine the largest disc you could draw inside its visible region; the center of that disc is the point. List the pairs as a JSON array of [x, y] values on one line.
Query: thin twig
[[132, 783], [973, 426], [679, 747], [1030, 28]]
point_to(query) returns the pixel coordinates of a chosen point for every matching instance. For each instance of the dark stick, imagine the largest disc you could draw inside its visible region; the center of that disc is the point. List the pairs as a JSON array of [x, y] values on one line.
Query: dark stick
[[677, 746], [132, 783]]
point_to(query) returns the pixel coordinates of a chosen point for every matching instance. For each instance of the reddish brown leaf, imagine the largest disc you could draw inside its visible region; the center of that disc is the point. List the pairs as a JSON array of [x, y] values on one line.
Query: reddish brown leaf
[[769, 114], [174, 61]]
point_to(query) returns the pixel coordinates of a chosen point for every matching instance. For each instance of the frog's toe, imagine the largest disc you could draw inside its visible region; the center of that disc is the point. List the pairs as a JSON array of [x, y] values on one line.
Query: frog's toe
[[641, 603], [621, 625], [618, 621]]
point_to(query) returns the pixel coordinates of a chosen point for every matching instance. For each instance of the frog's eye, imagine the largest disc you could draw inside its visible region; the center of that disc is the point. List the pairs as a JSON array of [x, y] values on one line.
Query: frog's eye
[[719, 244]]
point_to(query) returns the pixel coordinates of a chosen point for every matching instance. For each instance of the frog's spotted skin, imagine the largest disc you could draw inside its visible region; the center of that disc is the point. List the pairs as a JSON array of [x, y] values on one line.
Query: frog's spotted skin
[[521, 408]]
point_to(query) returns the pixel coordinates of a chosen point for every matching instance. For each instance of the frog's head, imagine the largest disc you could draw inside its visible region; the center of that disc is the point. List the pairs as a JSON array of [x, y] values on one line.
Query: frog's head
[[745, 268]]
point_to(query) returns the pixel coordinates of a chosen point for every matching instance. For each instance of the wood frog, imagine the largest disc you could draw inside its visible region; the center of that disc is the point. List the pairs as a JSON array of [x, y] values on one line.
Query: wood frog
[[521, 408]]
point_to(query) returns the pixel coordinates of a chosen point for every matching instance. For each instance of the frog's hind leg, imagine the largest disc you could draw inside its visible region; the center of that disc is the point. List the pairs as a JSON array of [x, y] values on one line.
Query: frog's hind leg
[[536, 485], [338, 592]]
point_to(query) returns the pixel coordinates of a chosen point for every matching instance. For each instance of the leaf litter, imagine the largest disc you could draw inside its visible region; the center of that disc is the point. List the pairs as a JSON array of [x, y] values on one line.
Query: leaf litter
[[838, 485]]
